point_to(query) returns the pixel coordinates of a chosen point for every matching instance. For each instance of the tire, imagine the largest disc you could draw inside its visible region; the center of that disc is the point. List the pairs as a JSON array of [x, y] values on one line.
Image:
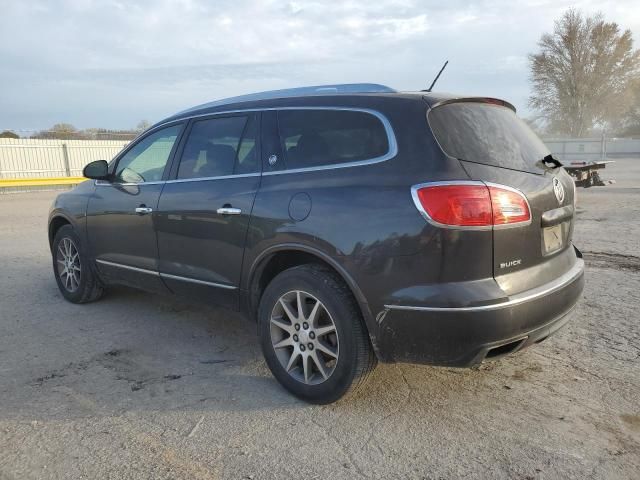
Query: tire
[[83, 285], [343, 357]]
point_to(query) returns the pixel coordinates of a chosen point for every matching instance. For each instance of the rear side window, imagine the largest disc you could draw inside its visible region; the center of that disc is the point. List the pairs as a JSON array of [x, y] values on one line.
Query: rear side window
[[487, 133], [313, 138], [218, 147]]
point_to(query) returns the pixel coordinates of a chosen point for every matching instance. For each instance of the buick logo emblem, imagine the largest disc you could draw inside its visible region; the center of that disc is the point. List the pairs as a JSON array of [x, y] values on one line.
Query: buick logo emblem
[[558, 189]]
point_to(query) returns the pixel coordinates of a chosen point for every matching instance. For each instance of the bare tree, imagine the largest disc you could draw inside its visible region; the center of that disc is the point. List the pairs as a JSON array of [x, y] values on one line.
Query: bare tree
[[9, 134], [142, 126], [65, 131], [62, 131], [582, 75], [629, 124]]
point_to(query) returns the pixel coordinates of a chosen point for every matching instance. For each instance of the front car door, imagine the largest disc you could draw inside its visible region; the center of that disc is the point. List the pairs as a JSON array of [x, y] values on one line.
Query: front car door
[[120, 213], [204, 210]]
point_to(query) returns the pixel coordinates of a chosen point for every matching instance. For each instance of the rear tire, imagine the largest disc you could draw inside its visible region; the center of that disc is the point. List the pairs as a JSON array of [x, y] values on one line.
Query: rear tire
[[73, 270], [312, 335]]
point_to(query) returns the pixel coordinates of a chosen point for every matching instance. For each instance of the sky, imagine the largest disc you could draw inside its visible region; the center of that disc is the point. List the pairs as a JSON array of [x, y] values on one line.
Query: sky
[[114, 63]]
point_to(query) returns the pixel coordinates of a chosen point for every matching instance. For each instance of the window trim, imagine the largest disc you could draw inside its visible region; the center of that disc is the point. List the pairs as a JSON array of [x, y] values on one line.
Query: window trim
[[175, 166], [113, 165], [392, 149], [391, 139]]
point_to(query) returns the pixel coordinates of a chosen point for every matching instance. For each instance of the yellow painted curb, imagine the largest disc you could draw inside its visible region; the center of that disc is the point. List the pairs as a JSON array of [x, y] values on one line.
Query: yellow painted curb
[[39, 182]]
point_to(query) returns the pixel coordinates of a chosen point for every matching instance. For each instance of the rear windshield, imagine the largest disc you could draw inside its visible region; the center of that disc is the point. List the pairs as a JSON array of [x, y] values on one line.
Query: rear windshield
[[487, 133]]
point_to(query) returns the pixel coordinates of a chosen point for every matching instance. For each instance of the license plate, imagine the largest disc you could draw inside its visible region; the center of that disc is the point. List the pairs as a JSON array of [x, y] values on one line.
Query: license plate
[[553, 238]]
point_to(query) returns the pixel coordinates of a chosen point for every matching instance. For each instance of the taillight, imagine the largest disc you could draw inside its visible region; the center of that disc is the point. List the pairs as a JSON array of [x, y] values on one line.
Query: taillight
[[509, 206], [471, 205], [461, 205]]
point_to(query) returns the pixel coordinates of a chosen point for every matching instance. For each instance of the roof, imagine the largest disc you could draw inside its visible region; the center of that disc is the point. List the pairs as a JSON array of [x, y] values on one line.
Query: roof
[[317, 90], [274, 97]]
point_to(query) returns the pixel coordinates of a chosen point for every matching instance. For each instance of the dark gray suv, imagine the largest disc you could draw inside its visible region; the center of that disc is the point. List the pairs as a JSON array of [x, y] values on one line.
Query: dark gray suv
[[353, 223]]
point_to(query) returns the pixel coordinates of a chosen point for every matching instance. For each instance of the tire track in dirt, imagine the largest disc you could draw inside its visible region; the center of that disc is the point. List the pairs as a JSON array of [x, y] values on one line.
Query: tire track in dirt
[[615, 261]]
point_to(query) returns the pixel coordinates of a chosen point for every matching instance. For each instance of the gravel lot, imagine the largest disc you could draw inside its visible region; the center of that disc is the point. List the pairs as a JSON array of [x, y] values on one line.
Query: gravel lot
[[141, 386]]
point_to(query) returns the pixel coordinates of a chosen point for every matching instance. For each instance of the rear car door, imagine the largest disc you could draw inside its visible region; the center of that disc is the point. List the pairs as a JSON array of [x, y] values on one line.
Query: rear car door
[[204, 210], [120, 213]]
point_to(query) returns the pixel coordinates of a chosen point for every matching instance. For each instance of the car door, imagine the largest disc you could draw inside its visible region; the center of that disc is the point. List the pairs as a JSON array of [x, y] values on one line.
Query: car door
[[204, 210], [120, 213]]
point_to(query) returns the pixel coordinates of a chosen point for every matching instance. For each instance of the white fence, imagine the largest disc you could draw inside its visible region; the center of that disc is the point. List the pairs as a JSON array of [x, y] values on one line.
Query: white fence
[[31, 158], [588, 149]]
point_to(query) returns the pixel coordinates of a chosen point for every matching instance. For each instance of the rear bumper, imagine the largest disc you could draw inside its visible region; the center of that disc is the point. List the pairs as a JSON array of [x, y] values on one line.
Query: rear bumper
[[466, 336]]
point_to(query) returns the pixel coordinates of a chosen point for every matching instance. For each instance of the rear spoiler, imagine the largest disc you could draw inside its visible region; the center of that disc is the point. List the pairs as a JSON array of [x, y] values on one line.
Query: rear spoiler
[[493, 101]]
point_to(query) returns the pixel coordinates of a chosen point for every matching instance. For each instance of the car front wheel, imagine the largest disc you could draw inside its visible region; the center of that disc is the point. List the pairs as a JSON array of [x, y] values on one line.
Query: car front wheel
[[76, 280]]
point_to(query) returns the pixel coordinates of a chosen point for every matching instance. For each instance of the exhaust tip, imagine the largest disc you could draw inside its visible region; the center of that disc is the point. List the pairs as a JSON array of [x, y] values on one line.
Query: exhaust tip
[[505, 349]]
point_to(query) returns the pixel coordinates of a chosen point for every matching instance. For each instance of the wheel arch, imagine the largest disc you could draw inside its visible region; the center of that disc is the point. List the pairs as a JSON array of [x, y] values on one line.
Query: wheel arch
[[56, 222], [278, 258]]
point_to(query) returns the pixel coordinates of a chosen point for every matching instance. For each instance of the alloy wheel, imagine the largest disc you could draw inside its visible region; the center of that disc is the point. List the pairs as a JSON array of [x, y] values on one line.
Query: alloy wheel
[[304, 337], [69, 268]]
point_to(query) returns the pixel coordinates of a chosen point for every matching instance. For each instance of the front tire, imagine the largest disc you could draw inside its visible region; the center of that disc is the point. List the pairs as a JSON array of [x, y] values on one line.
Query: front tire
[[312, 335], [76, 279]]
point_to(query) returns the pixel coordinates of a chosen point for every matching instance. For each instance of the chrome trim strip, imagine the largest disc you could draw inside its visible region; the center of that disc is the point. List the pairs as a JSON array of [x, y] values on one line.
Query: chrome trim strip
[[200, 282], [127, 267], [532, 294], [165, 275], [268, 109], [221, 177], [178, 180], [104, 183], [330, 167], [416, 202], [391, 139]]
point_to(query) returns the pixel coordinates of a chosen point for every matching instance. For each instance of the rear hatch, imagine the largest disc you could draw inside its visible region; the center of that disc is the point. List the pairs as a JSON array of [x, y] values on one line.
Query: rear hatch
[[496, 147]]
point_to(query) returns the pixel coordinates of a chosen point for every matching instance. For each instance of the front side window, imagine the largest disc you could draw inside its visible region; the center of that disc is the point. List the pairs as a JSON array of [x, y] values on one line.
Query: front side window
[[312, 138], [219, 147], [147, 159]]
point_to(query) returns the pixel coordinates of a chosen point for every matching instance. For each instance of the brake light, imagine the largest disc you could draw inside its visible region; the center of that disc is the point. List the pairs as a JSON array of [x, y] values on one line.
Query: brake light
[[471, 205]]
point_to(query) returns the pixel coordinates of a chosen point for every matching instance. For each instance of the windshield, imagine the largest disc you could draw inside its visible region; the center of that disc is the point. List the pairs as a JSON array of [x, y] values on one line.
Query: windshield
[[487, 133]]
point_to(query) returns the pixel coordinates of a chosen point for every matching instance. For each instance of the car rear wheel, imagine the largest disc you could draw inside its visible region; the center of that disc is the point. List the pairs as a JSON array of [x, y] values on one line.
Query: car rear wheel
[[312, 335], [76, 279]]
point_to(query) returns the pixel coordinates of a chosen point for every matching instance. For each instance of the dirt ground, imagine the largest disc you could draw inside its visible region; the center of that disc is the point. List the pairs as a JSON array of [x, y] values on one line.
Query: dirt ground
[[140, 386]]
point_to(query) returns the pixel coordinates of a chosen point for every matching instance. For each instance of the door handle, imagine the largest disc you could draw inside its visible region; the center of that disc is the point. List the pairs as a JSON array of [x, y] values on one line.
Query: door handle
[[143, 210], [229, 211]]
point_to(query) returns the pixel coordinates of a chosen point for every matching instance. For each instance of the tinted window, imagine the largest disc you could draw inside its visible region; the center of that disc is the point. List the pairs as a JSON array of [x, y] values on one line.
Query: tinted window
[[219, 147], [487, 133], [146, 160], [313, 138]]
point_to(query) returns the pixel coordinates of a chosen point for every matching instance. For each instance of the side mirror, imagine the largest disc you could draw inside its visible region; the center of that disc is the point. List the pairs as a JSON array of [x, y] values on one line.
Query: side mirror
[[98, 170]]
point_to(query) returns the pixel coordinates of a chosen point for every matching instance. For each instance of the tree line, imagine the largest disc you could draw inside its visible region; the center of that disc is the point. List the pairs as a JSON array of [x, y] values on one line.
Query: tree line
[[66, 131]]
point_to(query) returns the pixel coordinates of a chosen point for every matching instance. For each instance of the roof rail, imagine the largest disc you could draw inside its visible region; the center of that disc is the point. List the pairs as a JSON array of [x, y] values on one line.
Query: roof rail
[[300, 92]]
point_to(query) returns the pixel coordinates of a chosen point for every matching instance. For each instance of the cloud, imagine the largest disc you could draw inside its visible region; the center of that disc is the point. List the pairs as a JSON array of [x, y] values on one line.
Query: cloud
[[112, 62]]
